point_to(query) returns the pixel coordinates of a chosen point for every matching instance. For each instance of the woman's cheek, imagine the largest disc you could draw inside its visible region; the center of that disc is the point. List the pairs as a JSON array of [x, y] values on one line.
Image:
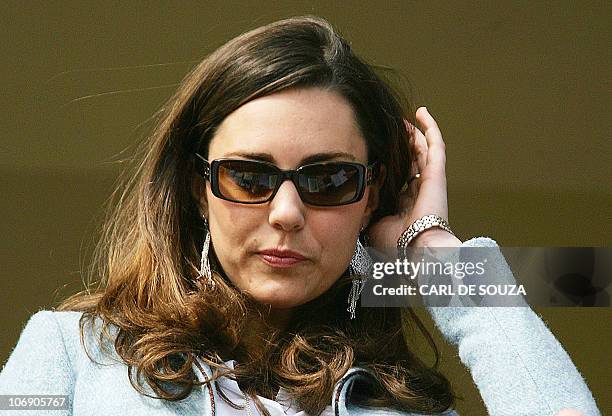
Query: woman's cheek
[[337, 249]]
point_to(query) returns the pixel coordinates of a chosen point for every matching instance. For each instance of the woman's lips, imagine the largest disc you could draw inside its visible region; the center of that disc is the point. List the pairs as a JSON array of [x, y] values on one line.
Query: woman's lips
[[281, 258]]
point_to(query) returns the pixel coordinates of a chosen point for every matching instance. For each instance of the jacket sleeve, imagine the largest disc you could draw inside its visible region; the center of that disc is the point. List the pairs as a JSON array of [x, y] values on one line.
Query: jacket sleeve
[[517, 364], [39, 364]]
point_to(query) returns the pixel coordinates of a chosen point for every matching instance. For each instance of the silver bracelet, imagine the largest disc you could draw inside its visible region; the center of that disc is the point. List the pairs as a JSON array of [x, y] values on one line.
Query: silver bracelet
[[424, 223]]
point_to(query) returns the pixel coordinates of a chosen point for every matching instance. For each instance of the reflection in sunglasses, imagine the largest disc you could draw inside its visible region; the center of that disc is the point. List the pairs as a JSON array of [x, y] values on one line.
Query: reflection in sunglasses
[[339, 178]]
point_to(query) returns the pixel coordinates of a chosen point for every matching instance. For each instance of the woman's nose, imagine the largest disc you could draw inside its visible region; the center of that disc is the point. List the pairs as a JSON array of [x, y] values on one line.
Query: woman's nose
[[287, 208]]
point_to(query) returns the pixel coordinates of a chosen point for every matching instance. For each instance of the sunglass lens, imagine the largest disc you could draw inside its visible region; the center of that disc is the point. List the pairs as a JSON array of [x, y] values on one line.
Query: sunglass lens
[[329, 184], [246, 181]]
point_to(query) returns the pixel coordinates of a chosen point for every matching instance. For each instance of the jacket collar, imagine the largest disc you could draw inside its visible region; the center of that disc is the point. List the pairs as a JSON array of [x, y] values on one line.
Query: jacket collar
[[340, 396], [342, 390]]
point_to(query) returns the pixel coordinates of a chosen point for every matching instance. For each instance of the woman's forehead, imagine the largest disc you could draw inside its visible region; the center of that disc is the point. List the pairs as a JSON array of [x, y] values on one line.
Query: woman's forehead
[[290, 126]]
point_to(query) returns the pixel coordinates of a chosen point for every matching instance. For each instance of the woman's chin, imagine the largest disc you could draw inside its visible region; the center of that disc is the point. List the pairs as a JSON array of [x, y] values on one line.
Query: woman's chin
[[281, 296], [278, 301], [281, 292]]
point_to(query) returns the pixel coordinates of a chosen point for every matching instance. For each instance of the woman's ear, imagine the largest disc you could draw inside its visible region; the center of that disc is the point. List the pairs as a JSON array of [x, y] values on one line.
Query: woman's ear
[[198, 191], [374, 195]]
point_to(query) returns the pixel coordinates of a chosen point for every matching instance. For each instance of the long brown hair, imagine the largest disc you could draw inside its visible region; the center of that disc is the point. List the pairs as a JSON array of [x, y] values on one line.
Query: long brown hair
[[147, 261]]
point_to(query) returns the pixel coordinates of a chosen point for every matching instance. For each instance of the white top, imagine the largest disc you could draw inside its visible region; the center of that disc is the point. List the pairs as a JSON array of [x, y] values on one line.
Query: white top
[[282, 406]]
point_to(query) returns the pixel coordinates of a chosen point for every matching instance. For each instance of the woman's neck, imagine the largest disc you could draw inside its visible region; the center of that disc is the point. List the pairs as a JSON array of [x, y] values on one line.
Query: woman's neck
[[262, 323]]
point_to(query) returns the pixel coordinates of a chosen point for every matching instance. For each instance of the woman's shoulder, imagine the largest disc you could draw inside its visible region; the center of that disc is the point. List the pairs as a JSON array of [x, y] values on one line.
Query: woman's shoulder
[[51, 342], [49, 331], [51, 358], [46, 323], [42, 354], [56, 331]]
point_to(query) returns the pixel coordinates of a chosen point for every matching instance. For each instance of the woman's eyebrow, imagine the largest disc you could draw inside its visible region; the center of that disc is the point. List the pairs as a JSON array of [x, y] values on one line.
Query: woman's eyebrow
[[317, 157], [321, 157]]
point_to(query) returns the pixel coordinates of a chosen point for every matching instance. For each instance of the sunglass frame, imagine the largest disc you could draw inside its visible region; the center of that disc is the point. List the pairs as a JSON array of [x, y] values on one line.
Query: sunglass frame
[[210, 171]]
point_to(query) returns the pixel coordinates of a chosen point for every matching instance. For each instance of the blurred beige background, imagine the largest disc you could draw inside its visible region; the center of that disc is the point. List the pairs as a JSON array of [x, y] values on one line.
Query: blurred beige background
[[520, 90]]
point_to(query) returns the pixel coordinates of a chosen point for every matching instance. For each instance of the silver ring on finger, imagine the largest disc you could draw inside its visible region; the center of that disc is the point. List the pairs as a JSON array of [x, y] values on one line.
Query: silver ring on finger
[[417, 176]]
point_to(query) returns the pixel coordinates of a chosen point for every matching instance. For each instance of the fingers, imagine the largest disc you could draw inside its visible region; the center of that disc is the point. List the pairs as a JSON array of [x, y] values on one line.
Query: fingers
[[420, 147], [432, 196], [418, 143], [418, 150], [436, 149]]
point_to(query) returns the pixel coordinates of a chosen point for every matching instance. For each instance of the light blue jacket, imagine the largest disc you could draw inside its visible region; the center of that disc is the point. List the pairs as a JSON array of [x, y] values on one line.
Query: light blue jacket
[[517, 364]]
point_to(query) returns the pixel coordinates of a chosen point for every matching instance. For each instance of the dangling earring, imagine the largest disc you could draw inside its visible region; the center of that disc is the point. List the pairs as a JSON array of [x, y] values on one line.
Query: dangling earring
[[360, 265], [205, 272]]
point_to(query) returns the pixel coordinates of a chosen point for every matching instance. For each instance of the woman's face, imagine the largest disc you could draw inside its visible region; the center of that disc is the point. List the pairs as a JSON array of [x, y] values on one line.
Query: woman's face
[[286, 128]]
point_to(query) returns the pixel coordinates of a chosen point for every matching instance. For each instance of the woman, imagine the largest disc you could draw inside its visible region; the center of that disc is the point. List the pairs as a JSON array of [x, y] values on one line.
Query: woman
[[233, 253]]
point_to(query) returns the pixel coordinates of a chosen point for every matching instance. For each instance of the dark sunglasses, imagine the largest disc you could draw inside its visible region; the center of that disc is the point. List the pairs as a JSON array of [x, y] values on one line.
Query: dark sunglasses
[[254, 182]]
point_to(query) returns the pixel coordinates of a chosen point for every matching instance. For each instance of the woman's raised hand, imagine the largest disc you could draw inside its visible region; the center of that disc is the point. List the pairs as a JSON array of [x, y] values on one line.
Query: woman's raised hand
[[429, 190]]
